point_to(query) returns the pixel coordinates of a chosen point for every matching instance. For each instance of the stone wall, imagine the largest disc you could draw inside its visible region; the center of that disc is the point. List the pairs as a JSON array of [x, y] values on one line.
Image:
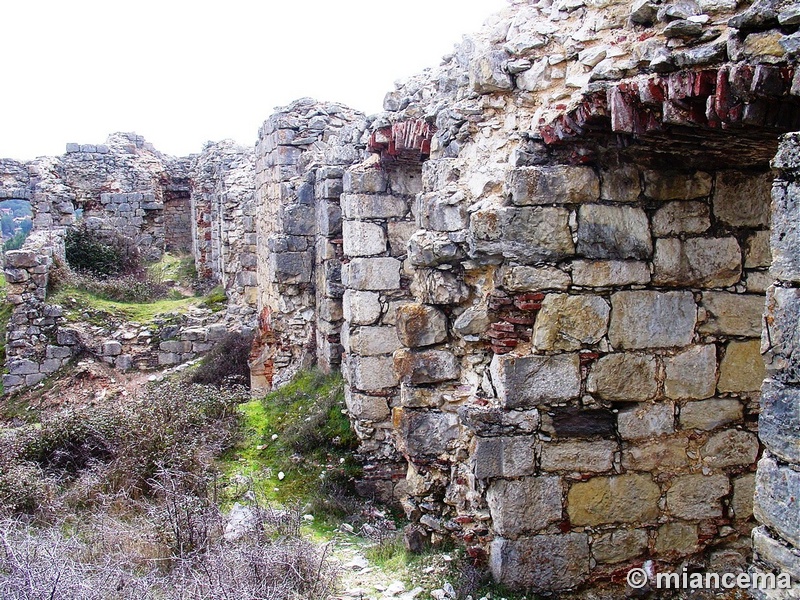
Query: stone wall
[[222, 216], [300, 157], [776, 543]]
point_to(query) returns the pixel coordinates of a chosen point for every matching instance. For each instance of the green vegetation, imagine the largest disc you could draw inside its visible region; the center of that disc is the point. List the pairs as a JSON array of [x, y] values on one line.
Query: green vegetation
[[79, 304], [179, 268], [297, 445], [216, 299], [15, 222], [100, 254]]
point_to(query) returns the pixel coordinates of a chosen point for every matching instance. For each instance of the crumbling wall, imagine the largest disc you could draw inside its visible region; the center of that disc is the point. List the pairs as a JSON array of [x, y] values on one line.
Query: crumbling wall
[[580, 370], [776, 543], [223, 223], [301, 150]]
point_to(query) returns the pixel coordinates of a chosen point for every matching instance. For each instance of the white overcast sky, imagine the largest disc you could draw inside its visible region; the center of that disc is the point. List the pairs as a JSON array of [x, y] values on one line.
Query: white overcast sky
[[181, 73]]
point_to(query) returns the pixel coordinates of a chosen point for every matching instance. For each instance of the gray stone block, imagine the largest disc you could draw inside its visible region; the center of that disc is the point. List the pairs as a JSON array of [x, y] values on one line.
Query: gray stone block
[[534, 279], [624, 377], [785, 232], [425, 366], [681, 217], [570, 322], [613, 232], [781, 337], [427, 433], [607, 273], [710, 414], [742, 199], [372, 341], [543, 563], [582, 456], [114, 348], [372, 274], [505, 456], [649, 319], [674, 185], [697, 262], [486, 73], [729, 448], [779, 421], [434, 286], [777, 499], [527, 234], [691, 373], [291, 267], [370, 373], [373, 206], [560, 184], [646, 421], [370, 180], [363, 239], [524, 506], [525, 381]]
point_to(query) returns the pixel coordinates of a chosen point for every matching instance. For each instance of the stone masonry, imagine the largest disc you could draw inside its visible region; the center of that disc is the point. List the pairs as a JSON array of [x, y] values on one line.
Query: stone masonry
[[543, 271]]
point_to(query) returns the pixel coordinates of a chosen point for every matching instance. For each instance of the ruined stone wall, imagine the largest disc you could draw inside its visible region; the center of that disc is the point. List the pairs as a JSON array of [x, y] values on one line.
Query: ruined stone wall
[[580, 370], [301, 150], [222, 216], [776, 543]]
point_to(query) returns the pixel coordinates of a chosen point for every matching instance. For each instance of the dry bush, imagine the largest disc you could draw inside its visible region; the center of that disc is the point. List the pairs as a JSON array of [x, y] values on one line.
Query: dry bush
[[227, 362]]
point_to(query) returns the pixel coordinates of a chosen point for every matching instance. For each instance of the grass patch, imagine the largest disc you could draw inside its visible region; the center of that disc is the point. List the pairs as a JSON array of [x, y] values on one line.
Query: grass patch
[[77, 302], [173, 267], [297, 446], [215, 299]]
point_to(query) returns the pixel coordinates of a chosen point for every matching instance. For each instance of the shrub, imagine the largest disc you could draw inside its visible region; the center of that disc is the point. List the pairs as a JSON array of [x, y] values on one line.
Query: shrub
[[135, 287], [102, 254], [227, 362], [118, 448]]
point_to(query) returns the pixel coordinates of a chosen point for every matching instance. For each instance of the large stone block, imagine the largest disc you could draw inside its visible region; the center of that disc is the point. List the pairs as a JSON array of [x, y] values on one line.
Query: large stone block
[[370, 373], [785, 232], [757, 252], [607, 273], [486, 72], [528, 234], [781, 336], [710, 414], [732, 314], [505, 456], [426, 432], [615, 232], [553, 185], [742, 199], [777, 499], [524, 506], [779, 421], [583, 456], [662, 454], [729, 448], [646, 421], [742, 369], [624, 377], [619, 545], [568, 322], [363, 239], [695, 497], [432, 248], [373, 206], [533, 279], [525, 381], [425, 366], [744, 488], [774, 554], [372, 341], [434, 286], [676, 537], [361, 308], [645, 319], [697, 262], [691, 373], [372, 274], [619, 499], [541, 563], [621, 184], [370, 180], [681, 217], [439, 212], [291, 267], [673, 185], [420, 325], [366, 408]]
